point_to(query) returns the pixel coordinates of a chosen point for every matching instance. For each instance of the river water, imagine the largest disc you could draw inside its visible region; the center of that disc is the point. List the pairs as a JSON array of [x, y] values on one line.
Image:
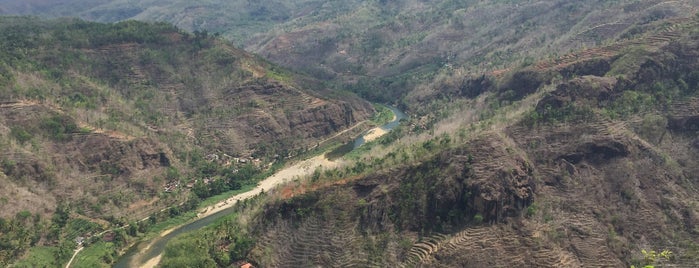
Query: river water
[[142, 252], [387, 127]]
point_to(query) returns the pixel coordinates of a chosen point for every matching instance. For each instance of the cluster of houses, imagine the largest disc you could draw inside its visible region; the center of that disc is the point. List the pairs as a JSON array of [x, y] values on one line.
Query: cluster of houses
[[107, 236], [225, 160]]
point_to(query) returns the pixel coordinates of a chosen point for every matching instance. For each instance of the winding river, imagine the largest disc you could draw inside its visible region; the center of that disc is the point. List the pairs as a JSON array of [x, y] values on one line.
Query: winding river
[[147, 253]]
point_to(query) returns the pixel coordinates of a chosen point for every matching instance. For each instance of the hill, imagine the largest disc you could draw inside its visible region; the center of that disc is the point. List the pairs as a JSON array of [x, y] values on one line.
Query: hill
[[542, 133], [396, 45], [585, 160], [112, 121]]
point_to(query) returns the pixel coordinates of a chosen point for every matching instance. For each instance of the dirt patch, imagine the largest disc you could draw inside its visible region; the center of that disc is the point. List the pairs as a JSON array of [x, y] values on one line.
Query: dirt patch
[[152, 262]]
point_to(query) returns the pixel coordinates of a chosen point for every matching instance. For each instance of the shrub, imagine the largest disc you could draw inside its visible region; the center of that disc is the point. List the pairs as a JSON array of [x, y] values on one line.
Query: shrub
[[531, 210], [478, 218], [20, 134], [59, 127]]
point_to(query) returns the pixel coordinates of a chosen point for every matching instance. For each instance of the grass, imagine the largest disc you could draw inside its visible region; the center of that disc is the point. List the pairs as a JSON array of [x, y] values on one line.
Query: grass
[[171, 222], [38, 257], [382, 116], [95, 255]]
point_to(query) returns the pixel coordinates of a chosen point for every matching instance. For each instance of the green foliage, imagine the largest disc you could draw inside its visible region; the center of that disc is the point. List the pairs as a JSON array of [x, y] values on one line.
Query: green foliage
[[99, 254], [18, 234], [20, 134], [64, 250], [205, 247], [382, 116], [566, 114], [316, 174], [61, 216], [651, 258], [478, 218], [8, 166], [38, 257], [80, 227], [531, 210], [653, 126], [631, 102], [220, 180], [6, 78], [59, 127], [109, 168]]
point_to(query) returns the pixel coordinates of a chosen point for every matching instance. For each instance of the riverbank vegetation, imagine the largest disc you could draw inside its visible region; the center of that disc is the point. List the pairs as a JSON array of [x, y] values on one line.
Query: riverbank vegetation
[[488, 166], [129, 125]]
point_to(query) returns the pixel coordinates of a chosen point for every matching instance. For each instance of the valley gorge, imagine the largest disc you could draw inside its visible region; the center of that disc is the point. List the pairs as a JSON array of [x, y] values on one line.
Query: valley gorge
[[539, 133]]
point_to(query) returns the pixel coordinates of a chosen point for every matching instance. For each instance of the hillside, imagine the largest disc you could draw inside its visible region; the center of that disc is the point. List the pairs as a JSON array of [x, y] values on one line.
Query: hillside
[[110, 122], [563, 163], [396, 45], [542, 133]]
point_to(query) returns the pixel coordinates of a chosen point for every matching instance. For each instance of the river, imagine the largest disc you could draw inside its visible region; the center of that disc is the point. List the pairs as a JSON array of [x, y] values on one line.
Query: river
[[147, 253], [398, 115]]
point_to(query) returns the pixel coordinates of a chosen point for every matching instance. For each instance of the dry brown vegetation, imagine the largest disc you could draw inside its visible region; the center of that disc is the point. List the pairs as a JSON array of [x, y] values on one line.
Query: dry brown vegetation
[[586, 171], [112, 122]]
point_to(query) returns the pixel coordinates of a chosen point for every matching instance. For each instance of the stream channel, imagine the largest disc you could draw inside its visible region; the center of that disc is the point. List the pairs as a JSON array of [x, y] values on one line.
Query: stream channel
[[144, 252]]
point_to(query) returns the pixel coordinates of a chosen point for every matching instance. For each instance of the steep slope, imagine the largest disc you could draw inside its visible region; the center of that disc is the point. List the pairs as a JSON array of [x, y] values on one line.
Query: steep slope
[[401, 44], [113, 120], [586, 168]]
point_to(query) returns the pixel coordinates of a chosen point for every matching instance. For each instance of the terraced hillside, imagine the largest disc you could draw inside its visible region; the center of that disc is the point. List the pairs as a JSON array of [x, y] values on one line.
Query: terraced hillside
[[600, 165], [114, 120]]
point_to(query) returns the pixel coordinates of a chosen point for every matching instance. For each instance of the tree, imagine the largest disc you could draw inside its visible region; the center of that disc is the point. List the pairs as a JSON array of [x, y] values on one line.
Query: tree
[[61, 216], [132, 230]]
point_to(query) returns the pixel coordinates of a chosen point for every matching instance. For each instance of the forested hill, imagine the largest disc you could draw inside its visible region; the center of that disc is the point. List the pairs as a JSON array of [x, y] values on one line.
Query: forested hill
[[112, 121]]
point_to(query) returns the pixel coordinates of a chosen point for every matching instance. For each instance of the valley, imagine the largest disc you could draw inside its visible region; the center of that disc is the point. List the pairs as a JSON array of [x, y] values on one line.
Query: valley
[[149, 254], [541, 133]]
